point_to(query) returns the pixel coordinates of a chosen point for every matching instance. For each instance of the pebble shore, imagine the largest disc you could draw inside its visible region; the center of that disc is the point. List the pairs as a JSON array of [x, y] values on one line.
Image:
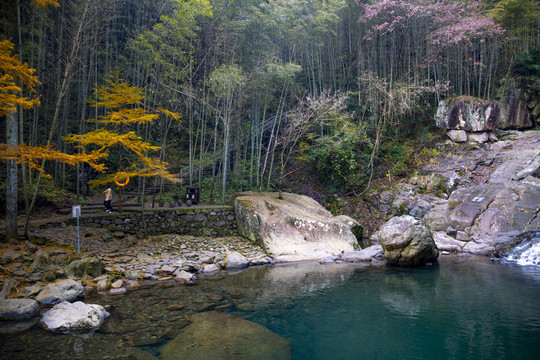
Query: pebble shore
[[27, 267]]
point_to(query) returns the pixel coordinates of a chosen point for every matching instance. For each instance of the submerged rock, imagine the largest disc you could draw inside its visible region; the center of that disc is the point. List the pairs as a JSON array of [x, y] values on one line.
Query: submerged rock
[[217, 335], [407, 242], [294, 226], [76, 316]]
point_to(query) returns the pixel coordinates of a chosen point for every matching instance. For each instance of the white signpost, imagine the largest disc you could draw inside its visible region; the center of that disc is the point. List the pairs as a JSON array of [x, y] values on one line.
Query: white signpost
[[76, 212]]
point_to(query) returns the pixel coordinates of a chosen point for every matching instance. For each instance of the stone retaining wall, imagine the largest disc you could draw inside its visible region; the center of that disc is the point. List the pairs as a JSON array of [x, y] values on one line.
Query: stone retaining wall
[[196, 222]]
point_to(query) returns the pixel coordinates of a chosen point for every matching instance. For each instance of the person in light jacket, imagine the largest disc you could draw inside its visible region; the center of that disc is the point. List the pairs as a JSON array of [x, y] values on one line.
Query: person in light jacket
[[108, 199]]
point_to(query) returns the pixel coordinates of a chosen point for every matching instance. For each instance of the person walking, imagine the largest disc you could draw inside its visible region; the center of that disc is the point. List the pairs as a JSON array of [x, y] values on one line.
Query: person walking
[[108, 199]]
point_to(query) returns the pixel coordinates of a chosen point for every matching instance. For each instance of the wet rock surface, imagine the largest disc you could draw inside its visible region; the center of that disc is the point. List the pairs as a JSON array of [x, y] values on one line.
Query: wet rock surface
[[59, 291]]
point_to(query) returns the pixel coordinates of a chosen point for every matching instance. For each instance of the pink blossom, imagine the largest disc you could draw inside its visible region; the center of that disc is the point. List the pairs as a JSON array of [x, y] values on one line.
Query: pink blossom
[[451, 22]]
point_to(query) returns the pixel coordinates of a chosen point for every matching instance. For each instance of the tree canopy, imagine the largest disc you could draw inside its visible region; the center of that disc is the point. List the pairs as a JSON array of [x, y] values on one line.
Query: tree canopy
[[235, 72]]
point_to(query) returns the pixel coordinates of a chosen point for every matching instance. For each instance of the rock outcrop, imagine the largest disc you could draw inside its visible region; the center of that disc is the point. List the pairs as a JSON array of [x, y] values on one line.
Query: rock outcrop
[[468, 113], [76, 316], [217, 335], [407, 242], [472, 119], [295, 227], [478, 217]]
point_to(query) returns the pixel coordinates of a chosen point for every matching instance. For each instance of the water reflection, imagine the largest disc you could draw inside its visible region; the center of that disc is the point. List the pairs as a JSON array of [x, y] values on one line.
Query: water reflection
[[409, 295], [465, 308], [293, 280]]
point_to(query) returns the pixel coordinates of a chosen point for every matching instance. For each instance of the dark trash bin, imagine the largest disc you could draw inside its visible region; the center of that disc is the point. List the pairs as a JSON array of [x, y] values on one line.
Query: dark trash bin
[[193, 195]]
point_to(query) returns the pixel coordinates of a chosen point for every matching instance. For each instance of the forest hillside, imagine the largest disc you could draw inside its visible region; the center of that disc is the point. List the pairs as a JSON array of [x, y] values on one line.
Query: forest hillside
[[320, 97]]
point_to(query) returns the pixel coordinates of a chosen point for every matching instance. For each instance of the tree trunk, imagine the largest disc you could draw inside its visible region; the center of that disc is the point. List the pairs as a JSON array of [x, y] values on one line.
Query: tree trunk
[[11, 179]]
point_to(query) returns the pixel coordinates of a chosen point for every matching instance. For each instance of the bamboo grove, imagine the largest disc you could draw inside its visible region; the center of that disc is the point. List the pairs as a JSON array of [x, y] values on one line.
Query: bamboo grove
[[243, 74]]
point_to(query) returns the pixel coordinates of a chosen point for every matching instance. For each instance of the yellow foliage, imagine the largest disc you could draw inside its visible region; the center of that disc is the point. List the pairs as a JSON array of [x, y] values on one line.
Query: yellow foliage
[[154, 168], [12, 71], [45, 2], [174, 115], [33, 155], [117, 94], [123, 100], [129, 116], [106, 139]]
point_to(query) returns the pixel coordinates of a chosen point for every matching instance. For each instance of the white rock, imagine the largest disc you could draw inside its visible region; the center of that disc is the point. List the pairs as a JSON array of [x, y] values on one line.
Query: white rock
[[117, 284], [445, 242], [119, 291], [478, 137], [185, 276], [235, 260], [75, 316], [458, 136], [210, 268]]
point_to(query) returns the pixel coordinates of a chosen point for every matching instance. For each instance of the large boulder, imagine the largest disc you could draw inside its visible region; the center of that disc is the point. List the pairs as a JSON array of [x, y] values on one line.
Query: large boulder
[[294, 227], [468, 118], [407, 242], [468, 113], [59, 291], [217, 335], [76, 316], [18, 309]]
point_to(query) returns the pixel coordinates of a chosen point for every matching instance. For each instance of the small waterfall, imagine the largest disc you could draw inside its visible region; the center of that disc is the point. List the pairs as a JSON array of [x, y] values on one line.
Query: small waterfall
[[526, 250]]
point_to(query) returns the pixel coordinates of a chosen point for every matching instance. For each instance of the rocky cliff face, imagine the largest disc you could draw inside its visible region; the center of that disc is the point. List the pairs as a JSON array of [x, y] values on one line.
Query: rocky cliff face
[[495, 194]]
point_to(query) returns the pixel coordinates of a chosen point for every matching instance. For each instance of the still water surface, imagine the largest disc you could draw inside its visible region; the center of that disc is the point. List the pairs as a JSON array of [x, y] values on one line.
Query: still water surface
[[462, 309]]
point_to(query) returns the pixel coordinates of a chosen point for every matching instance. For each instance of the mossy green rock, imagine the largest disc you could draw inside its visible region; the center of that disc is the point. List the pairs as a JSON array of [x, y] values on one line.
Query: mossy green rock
[[216, 335], [90, 267]]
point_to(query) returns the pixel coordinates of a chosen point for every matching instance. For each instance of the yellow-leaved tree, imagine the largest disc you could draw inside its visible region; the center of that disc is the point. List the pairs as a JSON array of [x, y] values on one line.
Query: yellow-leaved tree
[[123, 103], [13, 76]]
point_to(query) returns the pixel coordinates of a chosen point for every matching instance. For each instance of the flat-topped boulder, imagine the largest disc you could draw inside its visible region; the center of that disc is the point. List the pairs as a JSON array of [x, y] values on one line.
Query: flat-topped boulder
[[468, 113], [294, 226]]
